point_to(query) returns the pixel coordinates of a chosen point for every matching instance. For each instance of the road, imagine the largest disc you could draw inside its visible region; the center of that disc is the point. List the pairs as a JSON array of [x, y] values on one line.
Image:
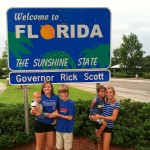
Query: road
[[134, 89]]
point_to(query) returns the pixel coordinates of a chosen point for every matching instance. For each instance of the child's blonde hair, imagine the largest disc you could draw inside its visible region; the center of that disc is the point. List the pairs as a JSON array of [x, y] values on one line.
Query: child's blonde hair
[[63, 89], [112, 88], [36, 93]]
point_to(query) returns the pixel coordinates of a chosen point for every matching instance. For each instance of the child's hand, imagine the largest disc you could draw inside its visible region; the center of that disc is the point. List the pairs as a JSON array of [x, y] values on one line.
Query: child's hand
[[90, 117], [54, 122], [31, 113], [49, 115], [94, 100], [38, 114], [96, 117], [52, 115]]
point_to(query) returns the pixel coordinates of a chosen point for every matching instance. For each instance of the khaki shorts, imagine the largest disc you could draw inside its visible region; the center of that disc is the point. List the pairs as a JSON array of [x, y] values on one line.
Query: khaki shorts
[[64, 140]]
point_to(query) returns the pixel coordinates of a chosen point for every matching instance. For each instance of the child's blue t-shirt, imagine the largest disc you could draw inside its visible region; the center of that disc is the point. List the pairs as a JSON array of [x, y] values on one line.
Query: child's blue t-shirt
[[49, 106], [66, 108], [97, 108]]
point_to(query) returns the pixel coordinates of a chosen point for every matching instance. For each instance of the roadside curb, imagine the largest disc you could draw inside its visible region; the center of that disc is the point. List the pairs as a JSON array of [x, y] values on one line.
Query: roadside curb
[[131, 80]]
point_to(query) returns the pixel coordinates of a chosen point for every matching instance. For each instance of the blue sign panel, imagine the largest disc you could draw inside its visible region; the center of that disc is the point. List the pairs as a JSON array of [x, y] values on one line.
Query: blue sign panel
[[58, 77], [58, 38]]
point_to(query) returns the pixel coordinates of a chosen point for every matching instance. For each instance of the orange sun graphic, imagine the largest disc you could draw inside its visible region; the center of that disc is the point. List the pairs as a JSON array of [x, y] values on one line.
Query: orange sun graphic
[[47, 32]]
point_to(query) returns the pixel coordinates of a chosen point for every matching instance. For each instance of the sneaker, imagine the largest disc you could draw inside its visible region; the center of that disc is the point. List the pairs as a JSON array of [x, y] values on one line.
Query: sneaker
[[99, 140], [99, 121]]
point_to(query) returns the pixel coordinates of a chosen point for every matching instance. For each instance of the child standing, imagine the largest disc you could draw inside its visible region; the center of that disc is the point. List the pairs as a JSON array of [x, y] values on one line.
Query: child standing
[[96, 107], [65, 119]]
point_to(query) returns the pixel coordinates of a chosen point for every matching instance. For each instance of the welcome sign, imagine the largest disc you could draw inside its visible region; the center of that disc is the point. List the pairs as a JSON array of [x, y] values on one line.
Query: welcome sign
[[58, 38], [20, 78]]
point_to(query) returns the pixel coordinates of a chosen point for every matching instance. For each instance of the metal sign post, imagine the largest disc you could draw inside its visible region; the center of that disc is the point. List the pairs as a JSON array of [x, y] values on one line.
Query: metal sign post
[[26, 109], [97, 85]]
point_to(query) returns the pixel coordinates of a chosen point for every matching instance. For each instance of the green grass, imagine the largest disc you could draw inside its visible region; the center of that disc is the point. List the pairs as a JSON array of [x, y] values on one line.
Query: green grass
[[15, 94], [3, 81]]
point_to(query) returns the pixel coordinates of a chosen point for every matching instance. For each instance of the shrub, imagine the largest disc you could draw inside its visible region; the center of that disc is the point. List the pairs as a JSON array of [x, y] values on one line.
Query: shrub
[[121, 75], [131, 129], [146, 76], [12, 126], [133, 124], [83, 126]]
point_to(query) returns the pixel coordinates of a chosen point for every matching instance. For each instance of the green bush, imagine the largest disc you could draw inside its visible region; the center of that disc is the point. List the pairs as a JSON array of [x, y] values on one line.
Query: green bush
[[133, 124], [146, 76], [83, 126], [12, 126], [121, 75], [131, 129]]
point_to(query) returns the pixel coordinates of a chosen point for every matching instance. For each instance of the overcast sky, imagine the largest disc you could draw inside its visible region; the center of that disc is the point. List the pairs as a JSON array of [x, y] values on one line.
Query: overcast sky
[[128, 16]]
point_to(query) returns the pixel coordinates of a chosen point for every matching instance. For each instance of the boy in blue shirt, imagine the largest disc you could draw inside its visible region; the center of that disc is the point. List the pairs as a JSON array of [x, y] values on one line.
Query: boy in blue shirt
[[65, 119], [96, 107]]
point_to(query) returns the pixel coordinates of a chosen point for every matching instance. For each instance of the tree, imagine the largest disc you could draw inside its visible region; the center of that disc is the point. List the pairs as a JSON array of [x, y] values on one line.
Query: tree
[[146, 64], [4, 62], [120, 58], [130, 53], [117, 56]]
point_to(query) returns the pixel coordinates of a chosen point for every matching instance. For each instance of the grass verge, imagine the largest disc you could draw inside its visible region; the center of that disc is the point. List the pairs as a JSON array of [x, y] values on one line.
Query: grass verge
[[15, 93]]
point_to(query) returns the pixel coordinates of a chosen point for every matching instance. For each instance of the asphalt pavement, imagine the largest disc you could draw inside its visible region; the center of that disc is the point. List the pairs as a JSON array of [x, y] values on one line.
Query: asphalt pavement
[[139, 91], [134, 88]]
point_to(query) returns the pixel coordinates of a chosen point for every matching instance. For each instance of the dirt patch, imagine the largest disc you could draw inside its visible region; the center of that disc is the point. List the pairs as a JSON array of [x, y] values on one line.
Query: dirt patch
[[79, 143]]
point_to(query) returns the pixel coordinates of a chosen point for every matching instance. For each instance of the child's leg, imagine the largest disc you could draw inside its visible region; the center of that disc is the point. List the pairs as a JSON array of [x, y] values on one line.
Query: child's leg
[[99, 145], [68, 141], [97, 132], [59, 141], [101, 129], [103, 126]]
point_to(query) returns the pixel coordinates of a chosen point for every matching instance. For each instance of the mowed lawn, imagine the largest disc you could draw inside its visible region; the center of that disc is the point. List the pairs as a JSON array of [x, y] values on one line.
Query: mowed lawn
[[15, 93]]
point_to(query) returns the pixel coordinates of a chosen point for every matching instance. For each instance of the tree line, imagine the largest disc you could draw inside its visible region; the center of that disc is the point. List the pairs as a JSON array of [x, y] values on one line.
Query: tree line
[[129, 55]]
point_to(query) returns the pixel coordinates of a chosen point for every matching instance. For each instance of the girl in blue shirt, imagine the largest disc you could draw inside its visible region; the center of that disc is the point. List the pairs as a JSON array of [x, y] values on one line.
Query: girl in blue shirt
[[44, 126]]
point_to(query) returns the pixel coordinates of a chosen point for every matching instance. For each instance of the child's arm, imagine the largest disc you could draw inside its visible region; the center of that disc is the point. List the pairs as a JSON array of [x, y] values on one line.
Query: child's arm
[[56, 114], [112, 118], [34, 111], [93, 102], [49, 115], [65, 117]]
